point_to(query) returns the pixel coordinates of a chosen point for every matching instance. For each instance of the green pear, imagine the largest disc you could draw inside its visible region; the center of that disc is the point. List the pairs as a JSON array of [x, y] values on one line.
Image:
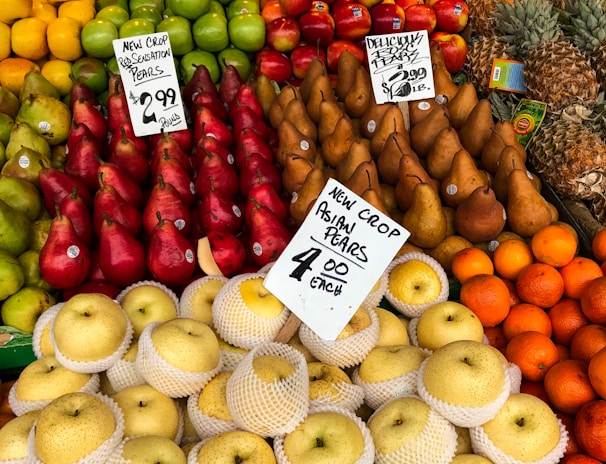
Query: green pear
[[30, 262], [15, 230], [23, 135], [22, 195], [22, 309], [40, 228], [6, 125], [50, 117], [34, 83], [12, 276], [9, 102], [2, 154], [26, 164]]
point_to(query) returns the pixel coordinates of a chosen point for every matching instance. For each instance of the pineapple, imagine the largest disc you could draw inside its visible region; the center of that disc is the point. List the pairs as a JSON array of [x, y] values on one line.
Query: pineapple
[[480, 17], [478, 66], [555, 71]]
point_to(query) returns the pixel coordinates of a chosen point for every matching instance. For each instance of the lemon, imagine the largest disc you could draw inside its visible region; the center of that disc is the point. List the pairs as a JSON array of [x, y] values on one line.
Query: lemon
[[13, 71], [63, 38], [57, 72], [81, 10], [28, 38], [15, 9], [45, 11], [5, 41]]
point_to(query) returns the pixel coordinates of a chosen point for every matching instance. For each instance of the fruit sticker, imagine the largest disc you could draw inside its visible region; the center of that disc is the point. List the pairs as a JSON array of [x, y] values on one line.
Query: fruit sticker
[[334, 260], [150, 81]]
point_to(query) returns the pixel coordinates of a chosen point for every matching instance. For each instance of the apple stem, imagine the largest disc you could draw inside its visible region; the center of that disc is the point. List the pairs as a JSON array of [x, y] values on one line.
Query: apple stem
[[319, 442], [238, 460], [520, 422]]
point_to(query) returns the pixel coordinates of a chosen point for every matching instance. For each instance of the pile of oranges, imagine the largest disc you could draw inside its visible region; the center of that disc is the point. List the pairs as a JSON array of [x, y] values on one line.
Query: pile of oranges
[[544, 306]]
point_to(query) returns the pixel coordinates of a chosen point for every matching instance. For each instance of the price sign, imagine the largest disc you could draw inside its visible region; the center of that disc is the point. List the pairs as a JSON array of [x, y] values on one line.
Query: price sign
[[150, 81], [400, 66], [334, 260]]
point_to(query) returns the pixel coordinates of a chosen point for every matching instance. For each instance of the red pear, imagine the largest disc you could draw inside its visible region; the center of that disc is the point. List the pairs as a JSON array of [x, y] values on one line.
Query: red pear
[[74, 208], [257, 170], [228, 251], [244, 117], [56, 184], [115, 176], [268, 236], [81, 90], [265, 195], [211, 101], [245, 96], [217, 211], [210, 144], [84, 112], [125, 154], [201, 80], [182, 136], [249, 142], [175, 174], [83, 162], [165, 199], [104, 287], [107, 200], [77, 132], [229, 84], [213, 168], [206, 122]]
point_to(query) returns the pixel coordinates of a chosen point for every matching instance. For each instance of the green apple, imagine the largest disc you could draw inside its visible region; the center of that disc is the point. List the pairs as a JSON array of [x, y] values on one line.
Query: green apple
[[30, 262], [147, 303], [152, 449], [97, 36], [238, 7], [179, 34], [92, 72], [148, 411], [324, 437], [191, 60], [23, 308], [114, 13], [73, 426], [414, 282], [525, 429], [236, 446], [447, 321], [100, 4], [247, 31], [90, 327], [157, 4], [215, 6], [392, 331], [389, 362], [14, 436], [190, 9], [197, 298], [409, 423], [12, 275], [325, 380], [136, 26], [210, 32], [237, 58], [153, 15]]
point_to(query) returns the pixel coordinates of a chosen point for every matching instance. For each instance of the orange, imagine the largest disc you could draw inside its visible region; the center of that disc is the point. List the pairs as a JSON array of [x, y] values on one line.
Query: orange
[[590, 428], [598, 245], [28, 38], [526, 316], [540, 284], [577, 274], [487, 296], [566, 318], [593, 300], [13, 71], [578, 458], [597, 372], [567, 385], [534, 353], [564, 351], [496, 337], [469, 262], [587, 341], [554, 244], [510, 257], [513, 293], [63, 38], [534, 388], [572, 447]]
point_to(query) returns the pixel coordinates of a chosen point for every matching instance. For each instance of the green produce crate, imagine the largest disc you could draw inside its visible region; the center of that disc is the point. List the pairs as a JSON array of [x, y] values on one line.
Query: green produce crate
[[17, 351]]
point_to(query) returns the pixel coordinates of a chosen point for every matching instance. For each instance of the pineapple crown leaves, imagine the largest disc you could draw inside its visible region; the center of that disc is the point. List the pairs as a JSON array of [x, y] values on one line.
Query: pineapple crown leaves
[[525, 24], [585, 23]]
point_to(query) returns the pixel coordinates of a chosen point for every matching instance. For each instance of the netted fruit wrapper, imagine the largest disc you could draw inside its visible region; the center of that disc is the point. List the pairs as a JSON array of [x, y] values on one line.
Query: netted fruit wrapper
[[347, 396], [186, 302], [206, 426], [123, 374], [374, 297], [43, 324]]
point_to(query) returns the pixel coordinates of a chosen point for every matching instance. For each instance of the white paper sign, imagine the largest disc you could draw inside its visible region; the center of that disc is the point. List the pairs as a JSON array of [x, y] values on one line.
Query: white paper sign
[[334, 260], [400, 66], [150, 81]]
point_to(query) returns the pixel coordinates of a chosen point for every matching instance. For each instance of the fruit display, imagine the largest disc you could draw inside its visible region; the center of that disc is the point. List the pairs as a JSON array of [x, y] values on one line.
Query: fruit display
[[135, 264]]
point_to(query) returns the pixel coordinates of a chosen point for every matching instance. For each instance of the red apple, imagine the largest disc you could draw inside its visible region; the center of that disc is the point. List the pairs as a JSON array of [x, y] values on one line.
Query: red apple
[[454, 49], [273, 64], [317, 27], [339, 46], [387, 18], [352, 21], [406, 3], [451, 15], [420, 17], [296, 8], [302, 55], [272, 10], [283, 34]]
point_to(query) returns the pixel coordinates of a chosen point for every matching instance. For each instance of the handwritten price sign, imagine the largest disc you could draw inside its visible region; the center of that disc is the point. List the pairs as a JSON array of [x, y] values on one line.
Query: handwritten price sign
[[334, 260], [150, 81], [400, 66]]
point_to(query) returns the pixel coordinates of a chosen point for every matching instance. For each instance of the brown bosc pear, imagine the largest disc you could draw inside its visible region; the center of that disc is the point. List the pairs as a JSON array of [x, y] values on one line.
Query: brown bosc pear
[[527, 210], [296, 112], [316, 68], [357, 153], [364, 176], [330, 113], [308, 193], [321, 89], [358, 98], [464, 177], [294, 172], [502, 134], [388, 161], [477, 128], [445, 88], [373, 197], [392, 121], [347, 64], [276, 110], [480, 216], [508, 160], [292, 141], [335, 146], [425, 218], [266, 92], [418, 109], [438, 161], [410, 173], [461, 105], [423, 134], [372, 117]]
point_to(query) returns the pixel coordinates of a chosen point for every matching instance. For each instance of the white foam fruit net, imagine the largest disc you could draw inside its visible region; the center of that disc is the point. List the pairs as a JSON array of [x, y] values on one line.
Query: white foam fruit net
[[436, 444], [347, 396], [368, 455], [123, 374], [269, 409], [42, 327], [186, 306], [231, 359], [236, 323], [99, 455], [206, 426], [345, 352], [377, 293], [411, 310], [165, 377]]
